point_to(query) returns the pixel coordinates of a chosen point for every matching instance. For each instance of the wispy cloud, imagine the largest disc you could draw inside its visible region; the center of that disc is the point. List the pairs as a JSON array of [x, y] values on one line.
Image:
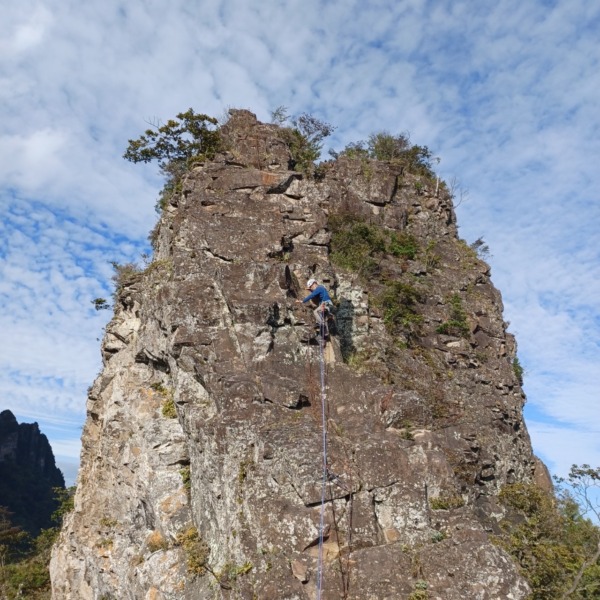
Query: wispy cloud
[[504, 93]]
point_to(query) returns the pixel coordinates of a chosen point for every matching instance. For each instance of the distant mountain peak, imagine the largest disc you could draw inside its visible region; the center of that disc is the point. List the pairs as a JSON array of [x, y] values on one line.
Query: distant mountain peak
[[28, 473]]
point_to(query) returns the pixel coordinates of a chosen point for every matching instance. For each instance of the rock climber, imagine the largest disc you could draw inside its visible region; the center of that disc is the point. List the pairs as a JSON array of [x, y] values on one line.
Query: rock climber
[[320, 296]]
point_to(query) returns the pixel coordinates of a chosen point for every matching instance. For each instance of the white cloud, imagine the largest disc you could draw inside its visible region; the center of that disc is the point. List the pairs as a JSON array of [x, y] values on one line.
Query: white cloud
[[505, 94], [24, 30], [30, 160]]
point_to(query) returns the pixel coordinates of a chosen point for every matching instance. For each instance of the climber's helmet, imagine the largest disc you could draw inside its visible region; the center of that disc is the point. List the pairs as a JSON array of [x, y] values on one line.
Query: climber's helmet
[[310, 283]]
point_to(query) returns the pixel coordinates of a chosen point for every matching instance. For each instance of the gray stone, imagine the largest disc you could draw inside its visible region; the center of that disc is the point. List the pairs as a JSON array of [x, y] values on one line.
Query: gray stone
[[212, 326]]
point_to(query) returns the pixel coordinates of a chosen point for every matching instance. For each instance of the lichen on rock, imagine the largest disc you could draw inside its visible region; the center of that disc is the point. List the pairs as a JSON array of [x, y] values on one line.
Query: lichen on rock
[[424, 424]]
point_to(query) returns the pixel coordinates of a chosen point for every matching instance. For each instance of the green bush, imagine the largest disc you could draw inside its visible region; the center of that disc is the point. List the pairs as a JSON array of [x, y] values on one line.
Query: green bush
[[359, 246], [186, 137], [304, 139], [432, 258], [438, 536], [168, 409], [353, 150], [550, 541], [446, 502], [28, 578], [397, 148], [420, 591], [457, 323], [124, 274], [518, 370], [196, 550], [23, 561], [100, 304], [418, 161], [173, 173], [186, 477], [358, 361], [230, 572], [356, 245], [398, 302], [481, 248], [177, 145], [403, 245], [385, 146], [65, 497]]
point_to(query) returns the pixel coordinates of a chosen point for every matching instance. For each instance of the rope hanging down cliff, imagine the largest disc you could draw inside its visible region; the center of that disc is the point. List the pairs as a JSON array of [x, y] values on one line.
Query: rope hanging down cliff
[[322, 329], [320, 296]]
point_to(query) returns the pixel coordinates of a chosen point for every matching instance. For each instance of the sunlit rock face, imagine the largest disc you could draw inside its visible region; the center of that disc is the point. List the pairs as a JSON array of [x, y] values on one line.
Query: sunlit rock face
[[221, 497]]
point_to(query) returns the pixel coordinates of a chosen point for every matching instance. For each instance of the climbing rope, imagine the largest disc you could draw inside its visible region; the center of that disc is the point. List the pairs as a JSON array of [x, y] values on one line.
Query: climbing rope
[[324, 434], [336, 480]]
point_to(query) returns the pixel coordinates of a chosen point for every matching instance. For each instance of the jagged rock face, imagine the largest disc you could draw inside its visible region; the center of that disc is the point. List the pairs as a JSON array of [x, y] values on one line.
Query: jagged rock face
[[421, 432], [28, 473]]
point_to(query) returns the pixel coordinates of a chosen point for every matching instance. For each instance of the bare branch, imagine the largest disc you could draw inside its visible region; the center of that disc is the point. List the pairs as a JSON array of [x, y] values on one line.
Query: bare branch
[[586, 563]]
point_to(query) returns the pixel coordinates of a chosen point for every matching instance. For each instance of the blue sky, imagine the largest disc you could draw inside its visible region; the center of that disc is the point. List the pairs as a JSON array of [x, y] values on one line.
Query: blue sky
[[503, 92]]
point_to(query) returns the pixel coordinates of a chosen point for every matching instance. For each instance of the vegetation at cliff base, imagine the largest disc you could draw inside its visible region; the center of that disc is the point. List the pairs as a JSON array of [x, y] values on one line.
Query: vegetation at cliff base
[[28, 495], [550, 537], [24, 559]]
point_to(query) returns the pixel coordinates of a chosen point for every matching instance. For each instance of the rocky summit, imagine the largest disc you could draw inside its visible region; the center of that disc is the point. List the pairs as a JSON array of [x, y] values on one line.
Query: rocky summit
[[202, 463]]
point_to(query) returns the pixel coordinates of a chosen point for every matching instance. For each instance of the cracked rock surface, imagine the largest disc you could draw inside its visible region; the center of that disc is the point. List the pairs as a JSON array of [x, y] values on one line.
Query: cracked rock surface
[[422, 433]]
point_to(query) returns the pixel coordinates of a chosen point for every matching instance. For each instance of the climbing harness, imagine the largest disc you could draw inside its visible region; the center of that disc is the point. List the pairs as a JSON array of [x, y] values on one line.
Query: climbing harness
[[325, 471]]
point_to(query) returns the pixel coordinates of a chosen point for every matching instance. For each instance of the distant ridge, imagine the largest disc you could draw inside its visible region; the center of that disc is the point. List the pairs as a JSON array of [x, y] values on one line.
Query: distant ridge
[[28, 474]]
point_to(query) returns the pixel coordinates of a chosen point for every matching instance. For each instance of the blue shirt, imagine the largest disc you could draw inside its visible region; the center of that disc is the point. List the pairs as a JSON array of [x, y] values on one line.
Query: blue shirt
[[319, 295]]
